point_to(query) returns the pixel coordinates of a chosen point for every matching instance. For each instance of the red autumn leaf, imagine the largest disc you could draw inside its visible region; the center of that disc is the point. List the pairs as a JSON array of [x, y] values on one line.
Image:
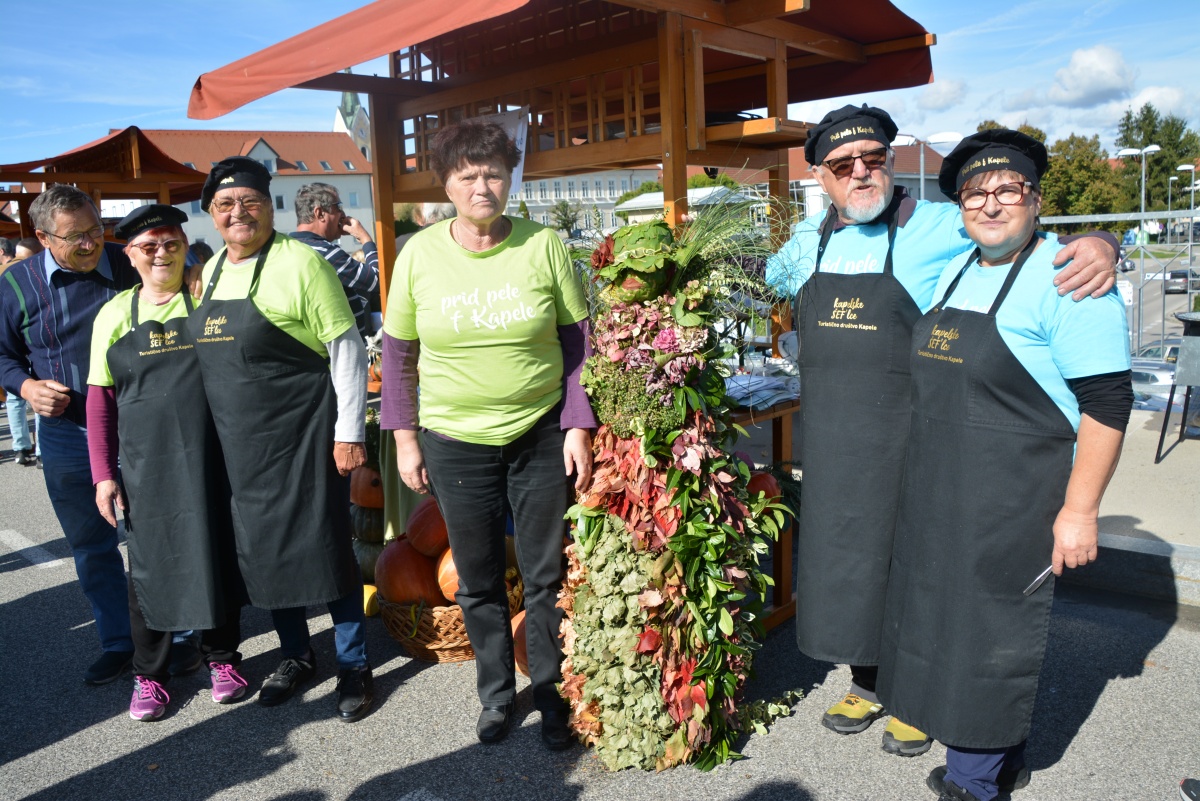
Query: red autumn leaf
[[649, 641]]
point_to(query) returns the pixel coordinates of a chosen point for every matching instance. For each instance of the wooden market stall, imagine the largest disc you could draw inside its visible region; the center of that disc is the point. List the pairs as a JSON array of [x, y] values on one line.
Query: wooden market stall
[[606, 84], [124, 164]]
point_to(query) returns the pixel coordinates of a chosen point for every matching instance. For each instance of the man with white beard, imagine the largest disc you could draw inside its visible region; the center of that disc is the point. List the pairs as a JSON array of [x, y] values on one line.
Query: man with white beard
[[861, 275]]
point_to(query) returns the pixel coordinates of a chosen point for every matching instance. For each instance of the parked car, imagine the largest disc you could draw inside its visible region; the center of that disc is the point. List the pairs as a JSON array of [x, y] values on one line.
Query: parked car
[[1165, 349], [1177, 281], [1153, 376]]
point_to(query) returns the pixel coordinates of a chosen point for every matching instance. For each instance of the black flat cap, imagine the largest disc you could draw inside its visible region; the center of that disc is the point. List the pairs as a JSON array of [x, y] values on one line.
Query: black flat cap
[[143, 218], [235, 171], [987, 151], [848, 124]]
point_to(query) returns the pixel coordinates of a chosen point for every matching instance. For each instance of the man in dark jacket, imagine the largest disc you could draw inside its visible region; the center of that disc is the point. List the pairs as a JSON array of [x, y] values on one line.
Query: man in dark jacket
[[47, 305]]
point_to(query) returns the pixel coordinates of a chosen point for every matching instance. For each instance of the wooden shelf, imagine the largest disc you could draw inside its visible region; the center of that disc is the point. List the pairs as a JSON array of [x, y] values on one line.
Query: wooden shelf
[[773, 132]]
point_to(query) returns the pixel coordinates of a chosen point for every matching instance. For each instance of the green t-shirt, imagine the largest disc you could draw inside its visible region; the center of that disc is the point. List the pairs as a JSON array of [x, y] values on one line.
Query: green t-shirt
[[113, 322], [491, 360], [298, 291]]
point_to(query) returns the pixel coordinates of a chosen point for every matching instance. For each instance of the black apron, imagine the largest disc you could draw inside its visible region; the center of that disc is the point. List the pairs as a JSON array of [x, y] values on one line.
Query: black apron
[[274, 406], [989, 458], [171, 466], [854, 406]]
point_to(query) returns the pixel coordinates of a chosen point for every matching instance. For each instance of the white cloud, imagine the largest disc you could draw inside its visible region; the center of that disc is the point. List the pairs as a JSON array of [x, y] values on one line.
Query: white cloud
[[942, 95], [1094, 75]]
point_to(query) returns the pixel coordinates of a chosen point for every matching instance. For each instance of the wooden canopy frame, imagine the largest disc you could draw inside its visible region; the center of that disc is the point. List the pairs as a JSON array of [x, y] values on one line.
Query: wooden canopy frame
[[608, 83], [124, 164]]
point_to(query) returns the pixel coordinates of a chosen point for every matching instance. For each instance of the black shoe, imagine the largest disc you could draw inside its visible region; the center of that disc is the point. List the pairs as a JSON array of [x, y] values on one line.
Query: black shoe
[[27, 458], [1008, 780], [1189, 789], [356, 690], [108, 667], [185, 658], [290, 674], [556, 731], [493, 722]]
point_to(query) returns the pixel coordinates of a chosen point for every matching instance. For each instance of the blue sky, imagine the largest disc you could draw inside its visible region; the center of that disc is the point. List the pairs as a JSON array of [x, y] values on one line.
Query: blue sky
[[72, 70]]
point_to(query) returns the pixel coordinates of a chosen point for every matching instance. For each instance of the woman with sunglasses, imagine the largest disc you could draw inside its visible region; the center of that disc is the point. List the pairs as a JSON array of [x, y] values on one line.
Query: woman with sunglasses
[[146, 403], [1020, 398]]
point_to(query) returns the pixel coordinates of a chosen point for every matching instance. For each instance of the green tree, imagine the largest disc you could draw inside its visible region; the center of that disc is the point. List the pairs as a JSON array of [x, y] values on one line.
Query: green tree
[[1080, 180], [1025, 128], [565, 216], [523, 210], [700, 180], [641, 189], [1179, 143]]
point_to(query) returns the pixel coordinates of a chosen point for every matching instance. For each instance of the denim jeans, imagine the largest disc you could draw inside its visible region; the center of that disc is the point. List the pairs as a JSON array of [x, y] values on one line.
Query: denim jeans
[[349, 634], [18, 424], [93, 541]]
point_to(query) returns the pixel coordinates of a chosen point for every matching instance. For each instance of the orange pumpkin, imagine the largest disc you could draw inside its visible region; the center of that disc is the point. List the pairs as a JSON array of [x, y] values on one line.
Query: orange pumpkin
[[366, 488], [405, 576], [427, 529], [374, 371], [447, 575], [764, 483], [520, 649]]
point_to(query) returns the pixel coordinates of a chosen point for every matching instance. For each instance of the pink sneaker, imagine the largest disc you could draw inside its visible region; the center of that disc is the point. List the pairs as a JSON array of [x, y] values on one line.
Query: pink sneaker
[[149, 700], [227, 684]]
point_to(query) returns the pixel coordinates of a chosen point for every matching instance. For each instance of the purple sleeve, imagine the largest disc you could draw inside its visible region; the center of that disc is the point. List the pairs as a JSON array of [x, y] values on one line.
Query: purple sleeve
[[102, 432], [398, 394], [576, 348], [1103, 236]]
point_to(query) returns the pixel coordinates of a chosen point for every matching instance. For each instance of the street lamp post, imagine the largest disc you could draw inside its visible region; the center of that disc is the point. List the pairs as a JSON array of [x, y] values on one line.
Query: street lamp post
[[944, 138], [1142, 153], [1191, 169], [1170, 181]]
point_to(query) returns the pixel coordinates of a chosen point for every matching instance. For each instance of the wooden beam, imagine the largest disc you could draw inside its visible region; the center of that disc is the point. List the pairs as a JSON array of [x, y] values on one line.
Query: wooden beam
[[744, 12], [636, 150], [779, 189], [383, 148], [925, 40], [732, 40], [693, 82], [370, 85], [135, 158], [672, 100], [638, 52], [710, 10], [151, 179], [810, 40]]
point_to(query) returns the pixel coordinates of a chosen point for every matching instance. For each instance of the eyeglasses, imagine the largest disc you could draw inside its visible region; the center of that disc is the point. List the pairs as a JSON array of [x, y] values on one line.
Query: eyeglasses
[[172, 246], [871, 160], [1005, 194], [94, 234], [248, 204]]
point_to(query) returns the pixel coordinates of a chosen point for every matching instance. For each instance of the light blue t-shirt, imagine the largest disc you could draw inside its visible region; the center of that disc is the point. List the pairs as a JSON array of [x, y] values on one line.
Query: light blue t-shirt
[[1051, 335], [932, 237]]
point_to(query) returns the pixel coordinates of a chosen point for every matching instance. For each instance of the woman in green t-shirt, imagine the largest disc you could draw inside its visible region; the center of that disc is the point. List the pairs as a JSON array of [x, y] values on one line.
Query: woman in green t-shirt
[[493, 311]]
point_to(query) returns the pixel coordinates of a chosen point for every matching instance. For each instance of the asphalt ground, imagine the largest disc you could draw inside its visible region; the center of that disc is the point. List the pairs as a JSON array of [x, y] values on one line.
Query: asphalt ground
[[1118, 713]]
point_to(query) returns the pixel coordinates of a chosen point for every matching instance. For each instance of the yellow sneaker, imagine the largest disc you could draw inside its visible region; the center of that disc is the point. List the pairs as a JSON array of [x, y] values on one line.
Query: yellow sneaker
[[903, 740], [852, 714]]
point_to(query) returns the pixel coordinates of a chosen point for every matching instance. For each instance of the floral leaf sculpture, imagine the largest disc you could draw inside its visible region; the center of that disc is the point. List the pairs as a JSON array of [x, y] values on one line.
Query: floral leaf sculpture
[[663, 588]]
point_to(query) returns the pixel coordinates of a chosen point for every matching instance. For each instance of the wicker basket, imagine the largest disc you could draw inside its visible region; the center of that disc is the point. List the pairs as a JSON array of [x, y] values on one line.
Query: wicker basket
[[437, 633]]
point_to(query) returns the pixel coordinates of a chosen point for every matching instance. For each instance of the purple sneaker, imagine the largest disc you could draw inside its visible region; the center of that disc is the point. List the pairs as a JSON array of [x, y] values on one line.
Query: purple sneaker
[[227, 684], [149, 700]]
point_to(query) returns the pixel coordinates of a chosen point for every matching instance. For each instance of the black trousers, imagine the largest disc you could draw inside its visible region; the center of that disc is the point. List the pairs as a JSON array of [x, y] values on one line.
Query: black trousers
[[474, 486], [152, 649]]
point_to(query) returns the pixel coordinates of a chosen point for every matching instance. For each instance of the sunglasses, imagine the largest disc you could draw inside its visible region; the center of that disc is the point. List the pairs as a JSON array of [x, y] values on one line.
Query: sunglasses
[[871, 160], [249, 204], [172, 246]]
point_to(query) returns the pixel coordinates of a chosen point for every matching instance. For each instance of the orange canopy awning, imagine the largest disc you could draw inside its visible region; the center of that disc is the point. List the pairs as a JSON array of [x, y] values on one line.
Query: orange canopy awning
[[370, 32]]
